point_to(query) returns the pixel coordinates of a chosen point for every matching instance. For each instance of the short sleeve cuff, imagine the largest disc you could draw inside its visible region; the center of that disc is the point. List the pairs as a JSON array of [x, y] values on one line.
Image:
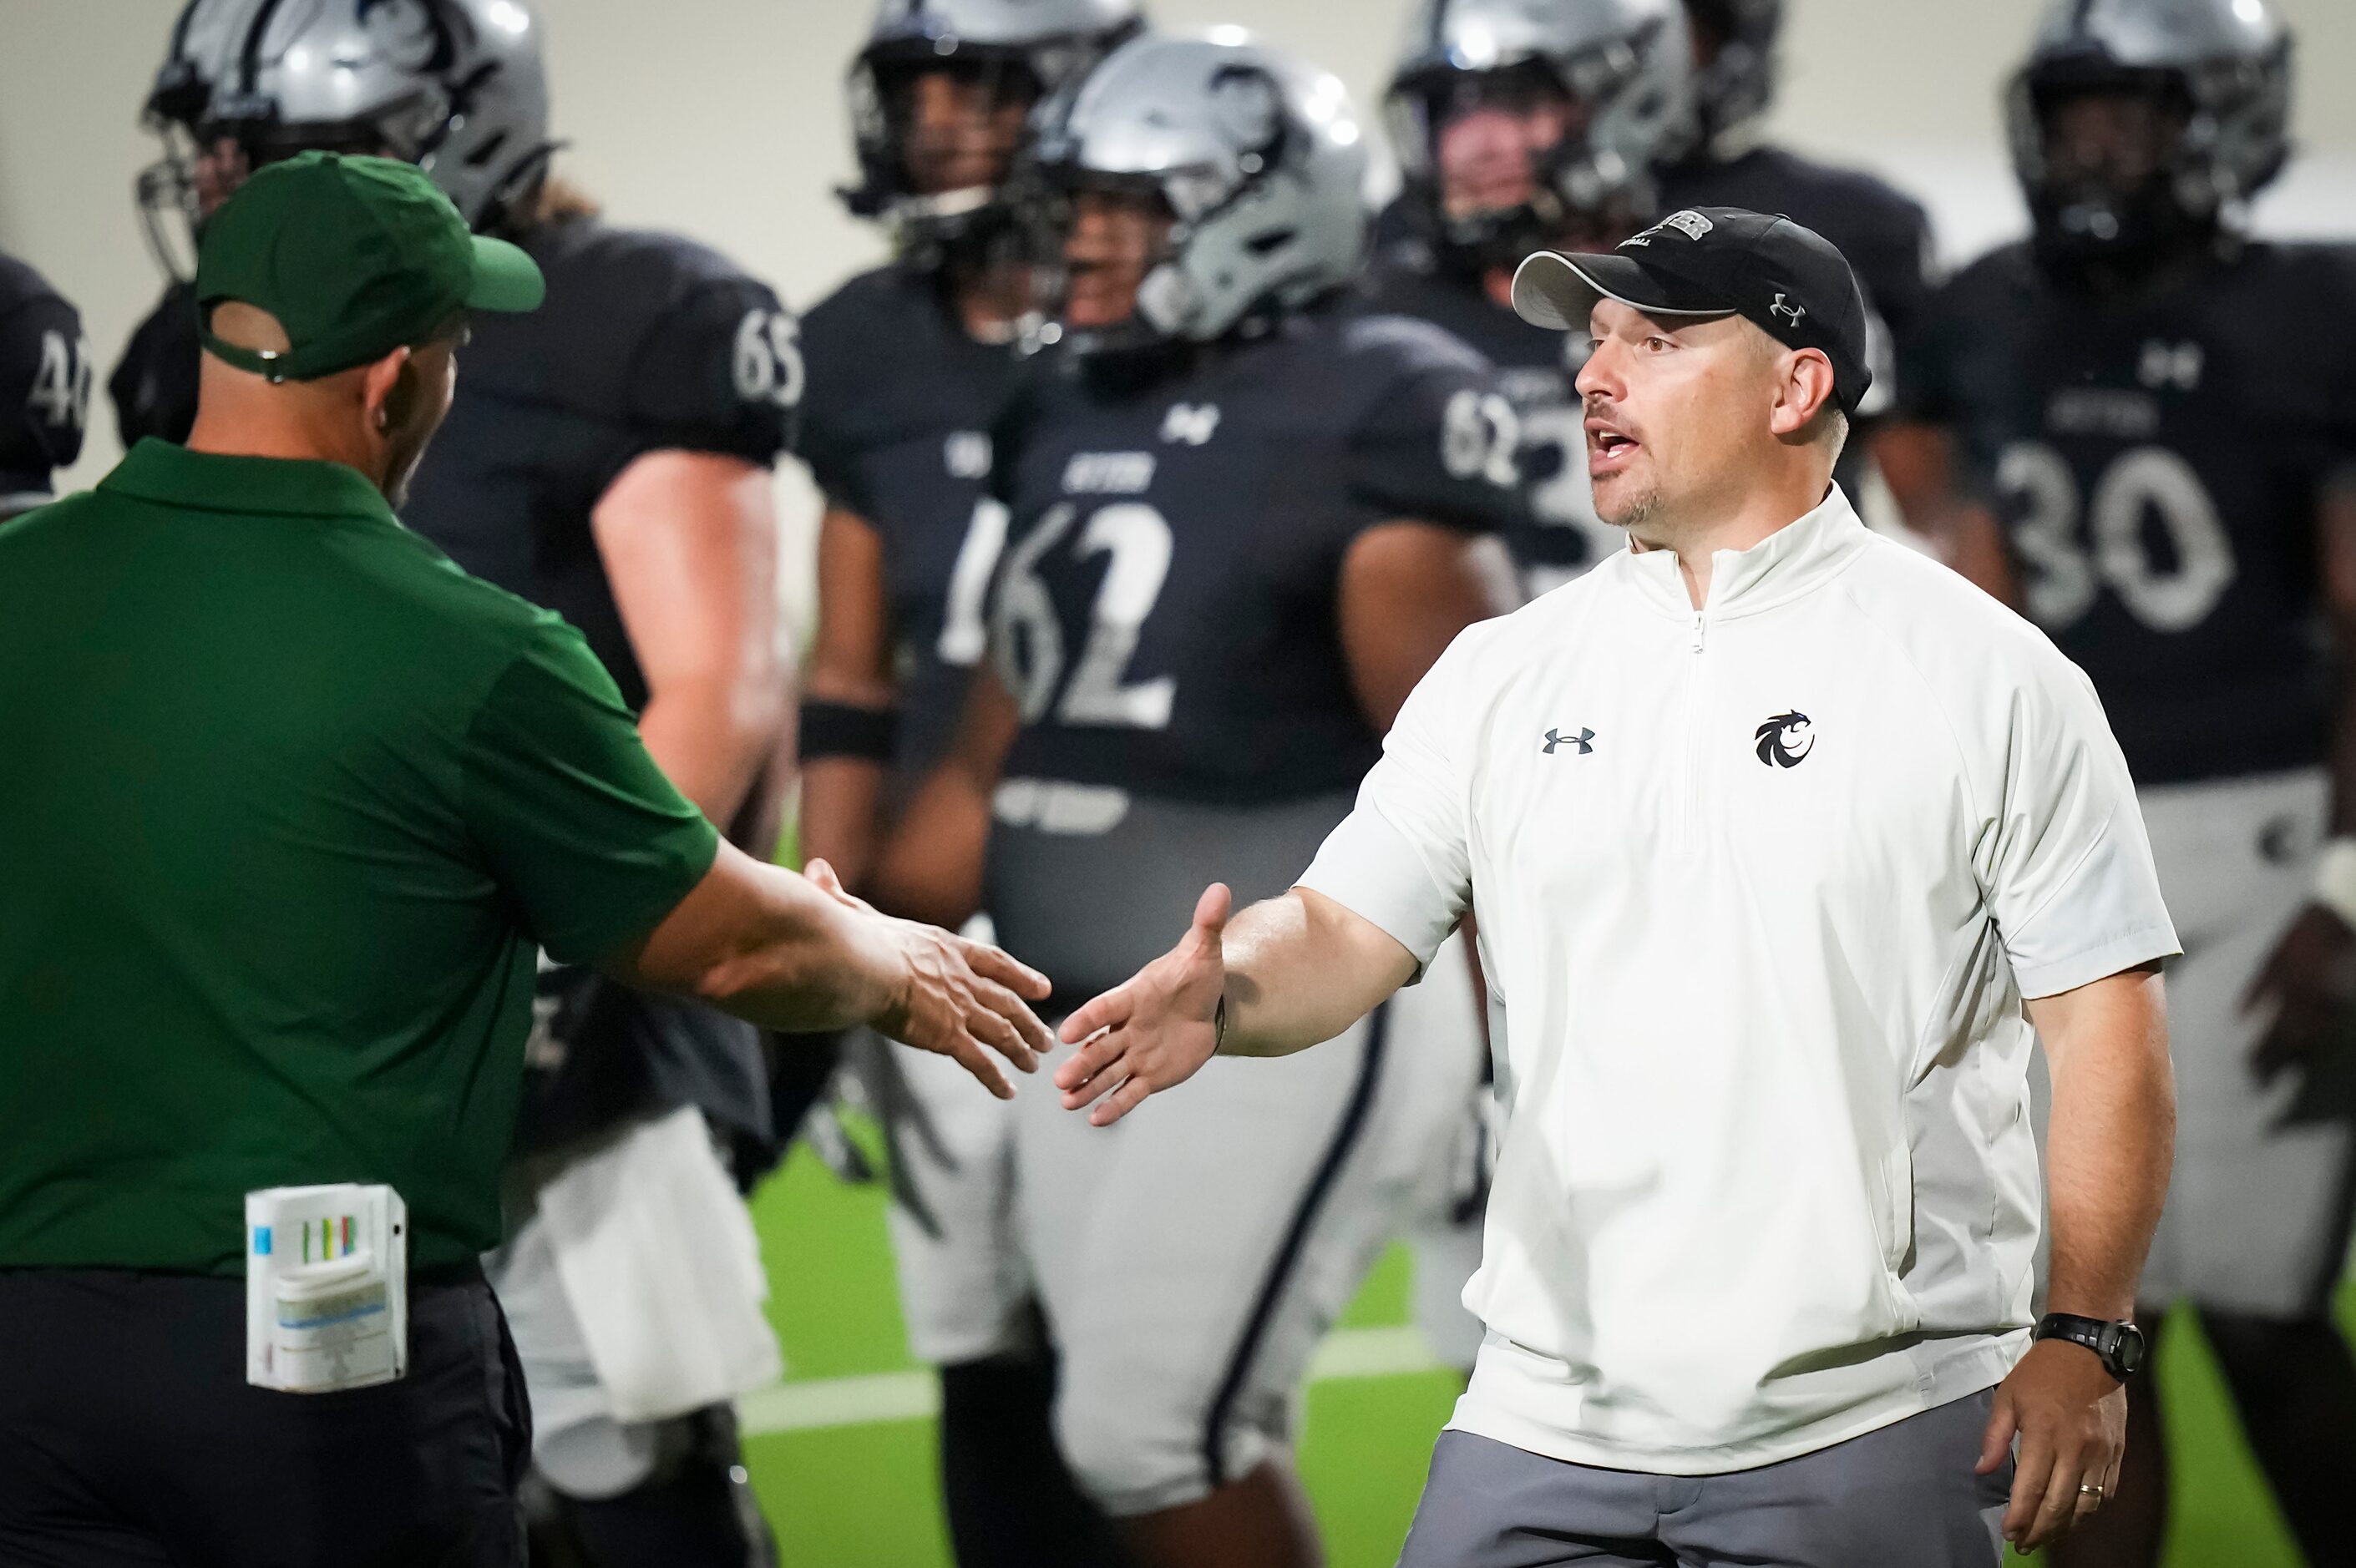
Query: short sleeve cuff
[[1370, 869], [2051, 976], [672, 864]]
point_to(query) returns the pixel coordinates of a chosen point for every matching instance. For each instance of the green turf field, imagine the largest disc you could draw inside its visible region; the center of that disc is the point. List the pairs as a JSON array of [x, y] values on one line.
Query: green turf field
[[846, 1469]]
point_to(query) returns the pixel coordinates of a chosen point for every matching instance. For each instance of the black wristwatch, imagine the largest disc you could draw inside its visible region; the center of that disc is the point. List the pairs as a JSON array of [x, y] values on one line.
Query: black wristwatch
[[2120, 1345]]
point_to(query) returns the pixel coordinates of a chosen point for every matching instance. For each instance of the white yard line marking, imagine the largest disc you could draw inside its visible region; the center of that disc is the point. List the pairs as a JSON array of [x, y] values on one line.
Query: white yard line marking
[[916, 1396], [839, 1402]]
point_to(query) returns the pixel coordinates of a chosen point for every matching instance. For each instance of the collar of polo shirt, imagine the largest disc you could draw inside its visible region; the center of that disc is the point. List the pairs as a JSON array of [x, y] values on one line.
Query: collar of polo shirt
[[1744, 582], [173, 475]]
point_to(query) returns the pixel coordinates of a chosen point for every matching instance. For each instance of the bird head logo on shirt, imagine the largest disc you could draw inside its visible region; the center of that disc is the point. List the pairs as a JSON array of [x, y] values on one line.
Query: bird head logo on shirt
[[1785, 738]]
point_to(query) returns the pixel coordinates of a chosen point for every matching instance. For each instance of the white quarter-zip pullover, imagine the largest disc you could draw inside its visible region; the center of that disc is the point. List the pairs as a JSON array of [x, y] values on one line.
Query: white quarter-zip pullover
[[1761, 887]]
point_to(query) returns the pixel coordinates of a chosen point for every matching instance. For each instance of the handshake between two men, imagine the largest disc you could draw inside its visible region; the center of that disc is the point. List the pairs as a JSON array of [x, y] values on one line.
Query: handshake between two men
[[971, 1001], [968, 999]]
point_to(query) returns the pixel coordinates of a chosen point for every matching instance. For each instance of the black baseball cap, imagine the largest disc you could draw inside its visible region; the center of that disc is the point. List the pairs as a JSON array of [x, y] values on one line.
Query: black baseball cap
[[1716, 260], [355, 257]]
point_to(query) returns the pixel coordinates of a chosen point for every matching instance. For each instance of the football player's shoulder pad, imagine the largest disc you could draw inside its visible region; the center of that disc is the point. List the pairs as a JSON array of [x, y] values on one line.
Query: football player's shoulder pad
[[861, 306], [1408, 257], [1858, 190], [668, 336], [2318, 276], [1382, 348], [153, 385], [45, 377], [1431, 440], [862, 345], [2303, 302], [1992, 297], [21, 285], [2006, 277]]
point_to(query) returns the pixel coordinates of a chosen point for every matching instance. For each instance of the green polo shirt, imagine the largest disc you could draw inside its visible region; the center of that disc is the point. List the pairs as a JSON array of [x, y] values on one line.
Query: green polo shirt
[[286, 803]]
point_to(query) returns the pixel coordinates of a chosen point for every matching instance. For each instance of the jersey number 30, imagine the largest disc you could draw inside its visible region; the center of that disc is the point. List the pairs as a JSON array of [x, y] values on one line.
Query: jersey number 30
[[1030, 637], [2070, 564]]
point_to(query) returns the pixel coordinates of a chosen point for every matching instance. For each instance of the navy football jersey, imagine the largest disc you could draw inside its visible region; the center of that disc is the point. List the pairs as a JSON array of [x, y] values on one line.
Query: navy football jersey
[[1885, 235], [154, 386], [45, 375], [1165, 609], [2158, 465], [1556, 536], [895, 428], [647, 342]]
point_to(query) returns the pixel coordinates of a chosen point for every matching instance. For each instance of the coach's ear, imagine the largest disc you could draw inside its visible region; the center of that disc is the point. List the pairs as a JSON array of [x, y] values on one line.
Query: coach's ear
[[1804, 391], [388, 394]]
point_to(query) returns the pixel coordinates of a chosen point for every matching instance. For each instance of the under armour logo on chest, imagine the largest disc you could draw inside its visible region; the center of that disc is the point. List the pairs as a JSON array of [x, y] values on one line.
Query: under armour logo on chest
[[1584, 740], [1192, 423], [2166, 367]]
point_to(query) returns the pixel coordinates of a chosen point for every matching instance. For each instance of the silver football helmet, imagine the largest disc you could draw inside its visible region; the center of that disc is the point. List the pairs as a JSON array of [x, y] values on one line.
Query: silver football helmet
[[1625, 65], [175, 109], [453, 86], [1024, 50], [2219, 69], [1260, 157]]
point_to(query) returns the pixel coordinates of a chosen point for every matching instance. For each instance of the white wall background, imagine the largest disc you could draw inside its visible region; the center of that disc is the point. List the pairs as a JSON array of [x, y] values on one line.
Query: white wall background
[[723, 118]]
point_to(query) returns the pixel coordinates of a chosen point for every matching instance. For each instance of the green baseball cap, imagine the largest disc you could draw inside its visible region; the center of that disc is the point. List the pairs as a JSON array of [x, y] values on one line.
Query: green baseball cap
[[356, 257]]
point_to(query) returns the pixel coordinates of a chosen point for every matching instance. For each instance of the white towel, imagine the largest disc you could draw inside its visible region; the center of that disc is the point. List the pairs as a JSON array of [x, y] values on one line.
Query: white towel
[[663, 1271]]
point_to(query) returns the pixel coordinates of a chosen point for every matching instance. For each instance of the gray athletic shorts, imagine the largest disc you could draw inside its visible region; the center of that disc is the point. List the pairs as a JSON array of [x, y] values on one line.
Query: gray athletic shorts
[[1904, 1496]]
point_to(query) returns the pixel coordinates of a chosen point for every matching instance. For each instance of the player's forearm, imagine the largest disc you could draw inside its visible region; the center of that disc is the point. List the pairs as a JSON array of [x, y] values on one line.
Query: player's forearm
[[2110, 1139], [850, 719], [842, 800], [711, 738], [1300, 970], [929, 869]]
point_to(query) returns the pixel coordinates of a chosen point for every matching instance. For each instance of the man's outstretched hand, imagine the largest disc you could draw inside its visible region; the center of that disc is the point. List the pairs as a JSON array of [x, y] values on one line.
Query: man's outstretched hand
[[1154, 1030], [955, 997]]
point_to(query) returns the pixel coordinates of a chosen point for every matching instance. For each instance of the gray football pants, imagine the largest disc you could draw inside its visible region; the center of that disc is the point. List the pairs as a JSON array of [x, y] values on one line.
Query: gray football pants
[[1904, 1496]]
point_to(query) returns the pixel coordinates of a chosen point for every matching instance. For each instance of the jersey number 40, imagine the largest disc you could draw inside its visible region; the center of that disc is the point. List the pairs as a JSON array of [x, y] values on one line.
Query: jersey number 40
[[60, 394]]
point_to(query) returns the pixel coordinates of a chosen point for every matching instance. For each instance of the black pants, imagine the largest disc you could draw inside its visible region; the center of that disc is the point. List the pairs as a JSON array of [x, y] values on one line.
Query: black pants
[[129, 1435]]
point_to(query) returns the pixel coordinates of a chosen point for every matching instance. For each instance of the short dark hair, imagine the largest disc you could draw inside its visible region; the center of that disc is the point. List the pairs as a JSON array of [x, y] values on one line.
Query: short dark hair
[[1831, 427]]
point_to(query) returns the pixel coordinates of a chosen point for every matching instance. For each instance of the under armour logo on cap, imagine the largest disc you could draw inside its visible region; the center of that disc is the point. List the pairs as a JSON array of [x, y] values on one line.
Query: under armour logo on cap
[[1795, 310]]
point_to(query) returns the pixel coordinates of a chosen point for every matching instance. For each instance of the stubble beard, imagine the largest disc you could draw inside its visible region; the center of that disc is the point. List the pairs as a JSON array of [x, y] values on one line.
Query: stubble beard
[[1634, 512]]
